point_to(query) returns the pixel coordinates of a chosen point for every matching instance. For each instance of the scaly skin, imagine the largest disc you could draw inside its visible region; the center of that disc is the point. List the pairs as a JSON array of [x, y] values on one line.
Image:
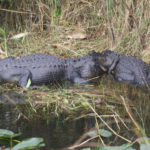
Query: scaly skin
[[42, 69], [125, 69]]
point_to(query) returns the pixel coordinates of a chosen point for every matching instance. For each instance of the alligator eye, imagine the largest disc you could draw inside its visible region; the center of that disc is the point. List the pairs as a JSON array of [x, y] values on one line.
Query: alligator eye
[[101, 59], [79, 59], [74, 60]]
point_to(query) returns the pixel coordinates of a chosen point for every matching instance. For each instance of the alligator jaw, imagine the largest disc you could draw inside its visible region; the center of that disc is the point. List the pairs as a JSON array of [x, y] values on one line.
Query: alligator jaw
[[103, 68]]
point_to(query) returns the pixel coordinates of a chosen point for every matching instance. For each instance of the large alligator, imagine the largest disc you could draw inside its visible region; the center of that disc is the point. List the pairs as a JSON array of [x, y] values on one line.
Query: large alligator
[[42, 69], [124, 69]]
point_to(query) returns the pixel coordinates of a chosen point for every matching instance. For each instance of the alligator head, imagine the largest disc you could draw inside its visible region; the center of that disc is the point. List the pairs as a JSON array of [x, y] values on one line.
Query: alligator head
[[105, 60]]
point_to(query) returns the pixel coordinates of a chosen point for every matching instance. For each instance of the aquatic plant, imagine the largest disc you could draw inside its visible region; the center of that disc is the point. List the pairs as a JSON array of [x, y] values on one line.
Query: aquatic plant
[[10, 140]]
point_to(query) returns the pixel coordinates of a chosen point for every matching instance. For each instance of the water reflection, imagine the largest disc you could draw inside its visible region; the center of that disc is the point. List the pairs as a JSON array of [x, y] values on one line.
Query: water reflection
[[57, 132], [12, 97]]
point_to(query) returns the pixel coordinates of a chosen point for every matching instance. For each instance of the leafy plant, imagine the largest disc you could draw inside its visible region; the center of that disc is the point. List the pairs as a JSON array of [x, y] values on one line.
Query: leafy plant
[[103, 132], [9, 139], [122, 147], [29, 144]]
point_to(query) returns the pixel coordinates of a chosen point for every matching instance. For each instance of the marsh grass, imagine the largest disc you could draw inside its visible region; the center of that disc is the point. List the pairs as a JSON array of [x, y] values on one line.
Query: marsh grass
[[122, 26]]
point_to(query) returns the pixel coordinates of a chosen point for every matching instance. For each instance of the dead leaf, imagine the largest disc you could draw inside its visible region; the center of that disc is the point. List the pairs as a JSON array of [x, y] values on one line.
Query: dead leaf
[[1, 51], [77, 36], [20, 35], [146, 55], [59, 46]]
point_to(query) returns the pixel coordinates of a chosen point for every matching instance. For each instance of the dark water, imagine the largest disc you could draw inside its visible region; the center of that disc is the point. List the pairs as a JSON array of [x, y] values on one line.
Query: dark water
[[56, 131]]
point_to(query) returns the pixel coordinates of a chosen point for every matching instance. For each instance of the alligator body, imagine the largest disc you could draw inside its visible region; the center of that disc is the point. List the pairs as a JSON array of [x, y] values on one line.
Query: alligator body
[[124, 69], [42, 69]]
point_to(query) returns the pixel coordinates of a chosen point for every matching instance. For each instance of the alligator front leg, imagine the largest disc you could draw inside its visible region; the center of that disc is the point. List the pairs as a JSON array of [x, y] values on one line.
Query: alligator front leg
[[79, 80], [16, 75], [124, 77], [73, 76]]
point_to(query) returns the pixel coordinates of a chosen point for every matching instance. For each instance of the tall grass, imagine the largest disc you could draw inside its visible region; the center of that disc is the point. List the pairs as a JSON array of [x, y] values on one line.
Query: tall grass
[[120, 25]]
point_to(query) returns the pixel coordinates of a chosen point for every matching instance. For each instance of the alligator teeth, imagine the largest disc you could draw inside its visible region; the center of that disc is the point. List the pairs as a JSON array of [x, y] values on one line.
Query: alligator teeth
[[103, 68]]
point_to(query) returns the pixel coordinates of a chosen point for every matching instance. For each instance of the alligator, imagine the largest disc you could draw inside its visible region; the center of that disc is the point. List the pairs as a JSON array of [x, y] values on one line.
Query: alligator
[[124, 69], [45, 69]]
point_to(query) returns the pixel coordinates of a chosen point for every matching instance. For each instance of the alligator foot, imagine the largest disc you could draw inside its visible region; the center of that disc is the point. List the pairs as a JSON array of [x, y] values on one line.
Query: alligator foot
[[127, 78], [21, 76], [78, 80]]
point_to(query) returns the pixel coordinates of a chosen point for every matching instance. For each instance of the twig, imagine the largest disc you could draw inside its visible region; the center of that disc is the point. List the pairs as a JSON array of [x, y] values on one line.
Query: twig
[[114, 132], [93, 129], [137, 126], [121, 120], [19, 12], [75, 146]]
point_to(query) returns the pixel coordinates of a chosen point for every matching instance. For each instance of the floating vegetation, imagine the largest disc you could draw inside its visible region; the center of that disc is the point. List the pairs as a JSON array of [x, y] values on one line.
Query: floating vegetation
[[10, 139]]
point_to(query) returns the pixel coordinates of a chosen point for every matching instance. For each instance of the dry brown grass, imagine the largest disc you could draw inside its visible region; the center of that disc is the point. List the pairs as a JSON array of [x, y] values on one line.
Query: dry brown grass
[[122, 26]]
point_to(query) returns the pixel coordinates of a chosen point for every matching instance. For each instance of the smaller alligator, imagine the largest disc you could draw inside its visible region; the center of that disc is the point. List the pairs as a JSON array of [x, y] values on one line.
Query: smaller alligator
[[124, 69], [43, 69]]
